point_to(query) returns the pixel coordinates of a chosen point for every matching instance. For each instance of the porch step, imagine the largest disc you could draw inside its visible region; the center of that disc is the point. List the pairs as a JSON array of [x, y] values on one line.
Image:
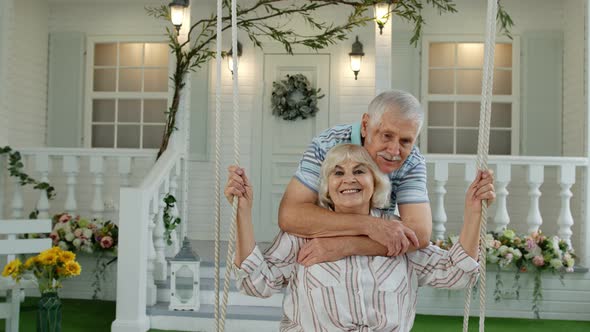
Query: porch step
[[239, 318]]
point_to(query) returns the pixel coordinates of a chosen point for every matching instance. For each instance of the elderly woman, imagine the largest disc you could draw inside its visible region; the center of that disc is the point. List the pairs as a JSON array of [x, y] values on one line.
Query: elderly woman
[[357, 293]]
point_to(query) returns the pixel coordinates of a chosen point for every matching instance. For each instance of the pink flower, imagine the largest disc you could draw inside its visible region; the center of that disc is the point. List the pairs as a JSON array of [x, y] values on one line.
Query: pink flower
[[538, 261], [530, 244], [65, 217], [106, 242], [509, 256], [78, 232], [497, 244], [55, 237]]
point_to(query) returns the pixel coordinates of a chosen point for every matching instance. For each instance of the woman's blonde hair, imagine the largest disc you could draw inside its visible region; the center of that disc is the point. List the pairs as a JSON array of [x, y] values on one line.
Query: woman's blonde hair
[[356, 153]]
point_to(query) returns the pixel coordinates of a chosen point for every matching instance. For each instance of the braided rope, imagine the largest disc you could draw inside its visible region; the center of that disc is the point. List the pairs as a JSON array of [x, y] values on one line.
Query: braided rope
[[482, 158], [217, 158], [236, 127]]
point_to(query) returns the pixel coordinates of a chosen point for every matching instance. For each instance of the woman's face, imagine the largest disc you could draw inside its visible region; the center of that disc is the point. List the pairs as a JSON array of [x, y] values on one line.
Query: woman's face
[[351, 186]]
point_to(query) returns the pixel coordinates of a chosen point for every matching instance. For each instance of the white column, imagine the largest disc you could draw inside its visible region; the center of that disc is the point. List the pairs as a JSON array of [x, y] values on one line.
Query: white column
[[151, 263], [124, 167], [585, 236], [43, 167], [535, 180], [159, 243], [503, 176], [382, 57], [97, 169], [439, 216], [565, 221], [470, 172], [17, 200], [3, 174], [71, 168], [132, 263]]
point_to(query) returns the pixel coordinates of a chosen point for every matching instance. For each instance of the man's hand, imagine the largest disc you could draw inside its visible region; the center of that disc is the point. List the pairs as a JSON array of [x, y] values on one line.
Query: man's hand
[[393, 235], [320, 250]]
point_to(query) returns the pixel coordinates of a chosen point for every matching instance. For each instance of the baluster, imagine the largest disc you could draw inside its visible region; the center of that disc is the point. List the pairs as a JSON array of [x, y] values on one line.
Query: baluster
[[97, 168], [124, 166], [42, 165], [439, 216], [503, 176], [535, 180], [151, 264], [71, 167], [159, 243], [567, 177], [2, 193], [173, 249], [18, 203]]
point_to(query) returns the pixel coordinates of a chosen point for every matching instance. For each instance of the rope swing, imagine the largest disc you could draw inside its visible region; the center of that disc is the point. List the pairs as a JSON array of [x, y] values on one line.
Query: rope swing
[[220, 311], [483, 143], [482, 160]]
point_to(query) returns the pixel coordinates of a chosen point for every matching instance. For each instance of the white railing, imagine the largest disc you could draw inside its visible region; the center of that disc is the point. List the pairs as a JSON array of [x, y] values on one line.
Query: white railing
[[73, 172], [142, 247], [534, 167]]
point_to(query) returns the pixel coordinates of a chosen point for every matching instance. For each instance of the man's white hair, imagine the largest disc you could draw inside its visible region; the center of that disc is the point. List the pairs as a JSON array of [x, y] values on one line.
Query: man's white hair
[[403, 103]]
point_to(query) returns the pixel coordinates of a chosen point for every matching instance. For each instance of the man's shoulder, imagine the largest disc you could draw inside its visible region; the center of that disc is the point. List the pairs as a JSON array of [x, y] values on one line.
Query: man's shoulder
[[415, 160], [335, 135]]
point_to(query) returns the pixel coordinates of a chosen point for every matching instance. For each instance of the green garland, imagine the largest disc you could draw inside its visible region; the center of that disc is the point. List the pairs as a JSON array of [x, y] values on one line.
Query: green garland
[[294, 97], [170, 221], [15, 166]]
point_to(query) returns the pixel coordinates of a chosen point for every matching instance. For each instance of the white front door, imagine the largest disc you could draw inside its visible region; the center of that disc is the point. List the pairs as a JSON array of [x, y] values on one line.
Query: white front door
[[283, 142]]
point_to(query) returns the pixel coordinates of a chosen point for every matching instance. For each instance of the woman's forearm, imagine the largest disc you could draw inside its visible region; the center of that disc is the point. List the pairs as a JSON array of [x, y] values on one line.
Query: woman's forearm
[[245, 241], [469, 237]]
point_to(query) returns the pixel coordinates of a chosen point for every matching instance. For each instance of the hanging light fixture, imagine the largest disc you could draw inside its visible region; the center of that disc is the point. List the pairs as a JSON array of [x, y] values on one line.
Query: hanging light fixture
[[177, 9], [382, 10], [356, 57], [230, 58]]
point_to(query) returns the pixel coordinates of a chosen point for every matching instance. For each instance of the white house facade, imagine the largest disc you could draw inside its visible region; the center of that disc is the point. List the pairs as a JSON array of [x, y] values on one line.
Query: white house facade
[[84, 84]]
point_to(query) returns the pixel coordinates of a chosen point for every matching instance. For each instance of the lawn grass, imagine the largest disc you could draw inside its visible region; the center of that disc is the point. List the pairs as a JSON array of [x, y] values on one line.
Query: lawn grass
[[97, 316]]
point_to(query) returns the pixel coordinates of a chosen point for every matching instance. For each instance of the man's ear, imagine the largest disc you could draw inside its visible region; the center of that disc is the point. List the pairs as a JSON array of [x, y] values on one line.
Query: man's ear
[[365, 125]]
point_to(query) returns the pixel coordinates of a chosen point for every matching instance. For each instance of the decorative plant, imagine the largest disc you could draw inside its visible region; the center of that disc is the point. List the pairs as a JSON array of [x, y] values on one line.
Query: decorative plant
[[15, 166], [170, 217], [294, 97], [264, 19], [49, 267], [534, 252]]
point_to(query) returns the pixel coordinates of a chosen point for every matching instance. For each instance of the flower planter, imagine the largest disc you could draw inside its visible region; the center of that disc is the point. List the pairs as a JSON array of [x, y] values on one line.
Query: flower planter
[[49, 313]]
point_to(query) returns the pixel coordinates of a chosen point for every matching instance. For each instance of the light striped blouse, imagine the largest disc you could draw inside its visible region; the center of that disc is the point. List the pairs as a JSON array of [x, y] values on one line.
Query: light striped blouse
[[357, 293]]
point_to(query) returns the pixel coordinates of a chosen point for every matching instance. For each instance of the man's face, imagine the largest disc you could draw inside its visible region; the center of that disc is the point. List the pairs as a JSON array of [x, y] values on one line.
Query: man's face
[[389, 142]]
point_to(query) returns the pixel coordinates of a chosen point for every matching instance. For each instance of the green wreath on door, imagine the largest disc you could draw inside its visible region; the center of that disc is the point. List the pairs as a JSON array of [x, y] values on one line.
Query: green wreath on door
[[294, 97]]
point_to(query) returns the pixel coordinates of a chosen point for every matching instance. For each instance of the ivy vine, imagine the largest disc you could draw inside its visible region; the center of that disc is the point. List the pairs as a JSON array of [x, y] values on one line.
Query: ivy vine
[[170, 220], [15, 169]]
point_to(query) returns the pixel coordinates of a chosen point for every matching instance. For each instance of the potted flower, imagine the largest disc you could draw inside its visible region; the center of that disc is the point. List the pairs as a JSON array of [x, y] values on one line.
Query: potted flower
[[49, 267]]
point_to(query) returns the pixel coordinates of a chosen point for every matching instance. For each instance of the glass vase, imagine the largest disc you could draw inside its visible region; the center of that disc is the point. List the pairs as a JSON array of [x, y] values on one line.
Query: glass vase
[[49, 313]]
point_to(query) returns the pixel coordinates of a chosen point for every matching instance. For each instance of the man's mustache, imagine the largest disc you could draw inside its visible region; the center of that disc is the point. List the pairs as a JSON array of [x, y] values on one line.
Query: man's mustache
[[389, 156]]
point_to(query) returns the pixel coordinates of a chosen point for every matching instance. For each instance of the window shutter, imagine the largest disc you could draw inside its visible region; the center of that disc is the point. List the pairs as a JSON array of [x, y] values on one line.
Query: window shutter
[[541, 97], [405, 69], [65, 89]]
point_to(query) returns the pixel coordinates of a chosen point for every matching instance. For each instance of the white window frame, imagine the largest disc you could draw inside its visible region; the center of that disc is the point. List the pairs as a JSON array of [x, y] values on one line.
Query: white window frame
[[513, 99], [90, 94]]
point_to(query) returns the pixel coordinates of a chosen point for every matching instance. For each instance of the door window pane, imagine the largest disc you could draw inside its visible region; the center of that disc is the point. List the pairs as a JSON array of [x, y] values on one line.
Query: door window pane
[[466, 141], [470, 55], [500, 142], [130, 80], [440, 114], [440, 81], [154, 110], [105, 54], [442, 55], [468, 114], [129, 110], [103, 110], [156, 55], [469, 82], [152, 136], [440, 140], [131, 54], [128, 136], [503, 56], [105, 79], [501, 115], [156, 80], [502, 82], [103, 136]]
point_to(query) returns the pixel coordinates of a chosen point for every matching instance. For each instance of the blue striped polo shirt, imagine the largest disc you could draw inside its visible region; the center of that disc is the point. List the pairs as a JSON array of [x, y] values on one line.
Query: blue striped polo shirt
[[408, 183]]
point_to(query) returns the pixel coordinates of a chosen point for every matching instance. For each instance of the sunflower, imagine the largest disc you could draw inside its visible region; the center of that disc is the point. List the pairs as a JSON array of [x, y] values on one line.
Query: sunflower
[[66, 256], [12, 269], [30, 262], [73, 268], [48, 258]]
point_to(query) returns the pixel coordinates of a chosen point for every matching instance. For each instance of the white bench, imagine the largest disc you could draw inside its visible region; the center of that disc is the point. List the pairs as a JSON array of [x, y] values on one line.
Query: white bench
[[11, 246]]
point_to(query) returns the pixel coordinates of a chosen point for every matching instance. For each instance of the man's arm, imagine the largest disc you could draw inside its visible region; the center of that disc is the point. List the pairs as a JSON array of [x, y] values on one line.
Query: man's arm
[[417, 217], [300, 216]]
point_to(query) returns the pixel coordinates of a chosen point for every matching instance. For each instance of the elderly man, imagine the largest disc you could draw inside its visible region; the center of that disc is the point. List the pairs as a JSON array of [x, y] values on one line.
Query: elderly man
[[388, 131]]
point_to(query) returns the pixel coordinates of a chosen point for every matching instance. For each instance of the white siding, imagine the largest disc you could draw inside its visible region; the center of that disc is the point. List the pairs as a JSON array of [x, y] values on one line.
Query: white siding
[[25, 84]]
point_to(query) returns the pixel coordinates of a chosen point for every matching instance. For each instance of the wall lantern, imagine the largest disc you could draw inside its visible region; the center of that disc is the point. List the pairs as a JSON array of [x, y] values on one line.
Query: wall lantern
[[184, 279], [382, 10], [230, 58], [356, 56], [177, 8]]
